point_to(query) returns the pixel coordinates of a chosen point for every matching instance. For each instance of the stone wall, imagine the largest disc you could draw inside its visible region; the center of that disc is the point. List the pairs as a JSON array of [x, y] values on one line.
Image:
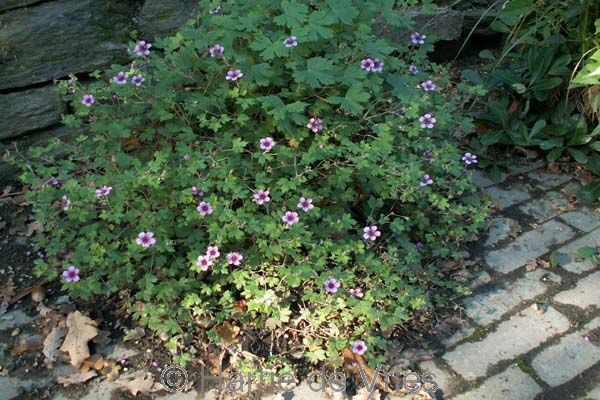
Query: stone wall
[[41, 41]]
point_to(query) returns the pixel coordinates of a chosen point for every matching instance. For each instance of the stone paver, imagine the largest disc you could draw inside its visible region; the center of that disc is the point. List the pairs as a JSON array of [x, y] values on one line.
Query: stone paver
[[512, 384], [593, 394], [481, 279], [547, 180], [14, 319], [568, 358], [568, 254], [517, 169], [584, 219], [500, 229], [529, 246], [586, 293], [546, 207], [490, 306], [464, 331], [518, 335], [481, 180], [445, 380], [508, 197]]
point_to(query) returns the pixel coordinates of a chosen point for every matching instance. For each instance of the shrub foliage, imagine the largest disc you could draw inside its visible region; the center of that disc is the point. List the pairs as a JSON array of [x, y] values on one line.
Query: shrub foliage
[[366, 196]]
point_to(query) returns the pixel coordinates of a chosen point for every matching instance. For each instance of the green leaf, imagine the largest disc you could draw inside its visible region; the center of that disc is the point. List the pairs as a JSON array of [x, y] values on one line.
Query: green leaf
[[589, 193], [578, 155], [268, 49], [318, 71], [294, 14], [587, 252], [353, 99], [343, 10], [555, 154], [516, 9], [317, 27]]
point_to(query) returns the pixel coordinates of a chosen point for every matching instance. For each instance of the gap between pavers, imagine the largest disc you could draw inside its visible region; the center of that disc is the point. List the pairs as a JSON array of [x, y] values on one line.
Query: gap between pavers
[[568, 358], [516, 336], [529, 246]]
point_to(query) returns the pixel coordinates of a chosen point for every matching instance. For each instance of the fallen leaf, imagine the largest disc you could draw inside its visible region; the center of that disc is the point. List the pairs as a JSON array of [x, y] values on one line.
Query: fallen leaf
[[228, 333], [35, 226], [142, 384], [531, 266], [94, 362], [81, 330], [355, 364], [51, 345], [76, 378], [6, 294], [25, 346]]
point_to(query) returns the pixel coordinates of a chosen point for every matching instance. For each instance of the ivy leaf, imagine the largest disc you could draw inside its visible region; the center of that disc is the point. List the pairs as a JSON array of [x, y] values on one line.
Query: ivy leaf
[[318, 71], [353, 99], [343, 10], [294, 14]]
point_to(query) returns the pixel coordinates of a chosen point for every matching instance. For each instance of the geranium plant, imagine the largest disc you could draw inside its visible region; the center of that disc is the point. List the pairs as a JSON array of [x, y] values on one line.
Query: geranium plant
[[279, 167]]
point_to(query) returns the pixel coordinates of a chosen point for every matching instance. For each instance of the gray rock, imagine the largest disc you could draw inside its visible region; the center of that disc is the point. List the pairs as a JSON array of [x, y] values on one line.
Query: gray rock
[[14, 319], [57, 38], [29, 110], [160, 18], [500, 229], [11, 4], [444, 24]]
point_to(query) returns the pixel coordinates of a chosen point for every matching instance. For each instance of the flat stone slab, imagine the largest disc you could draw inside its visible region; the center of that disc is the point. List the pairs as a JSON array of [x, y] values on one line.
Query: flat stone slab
[[568, 259], [571, 356], [504, 198], [529, 246], [163, 18], [516, 336], [500, 229], [512, 384], [445, 379], [29, 110], [546, 207], [14, 319], [593, 394], [491, 306], [584, 294], [547, 180], [56, 38], [482, 180], [584, 219]]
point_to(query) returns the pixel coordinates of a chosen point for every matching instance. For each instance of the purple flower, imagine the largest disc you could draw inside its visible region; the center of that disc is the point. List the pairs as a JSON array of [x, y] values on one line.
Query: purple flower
[[122, 361], [359, 347], [41, 254], [427, 121], [142, 48], [305, 204], [137, 80], [65, 202], [215, 10], [71, 274], [377, 65], [267, 144], [146, 239], [290, 42], [357, 293], [213, 252], [88, 100], [196, 191], [428, 156], [331, 285], [155, 363], [469, 158], [418, 38], [413, 69], [186, 157], [315, 125], [103, 191], [234, 258], [121, 78], [204, 208], [428, 86], [371, 232], [290, 217], [426, 181], [419, 245], [262, 196], [216, 50], [55, 183], [367, 64], [234, 75], [204, 262]]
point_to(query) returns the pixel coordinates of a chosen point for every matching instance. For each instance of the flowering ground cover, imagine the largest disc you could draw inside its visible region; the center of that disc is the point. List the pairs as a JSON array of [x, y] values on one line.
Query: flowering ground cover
[[273, 185]]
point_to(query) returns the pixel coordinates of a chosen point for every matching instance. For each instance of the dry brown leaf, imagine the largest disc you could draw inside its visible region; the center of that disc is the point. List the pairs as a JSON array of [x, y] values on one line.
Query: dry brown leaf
[[554, 168], [111, 369], [142, 384], [51, 345], [81, 330], [76, 378], [6, 294], [228, 333], [531, 266], [25, 346], [35, 226], [355, 363], [94, 362]]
